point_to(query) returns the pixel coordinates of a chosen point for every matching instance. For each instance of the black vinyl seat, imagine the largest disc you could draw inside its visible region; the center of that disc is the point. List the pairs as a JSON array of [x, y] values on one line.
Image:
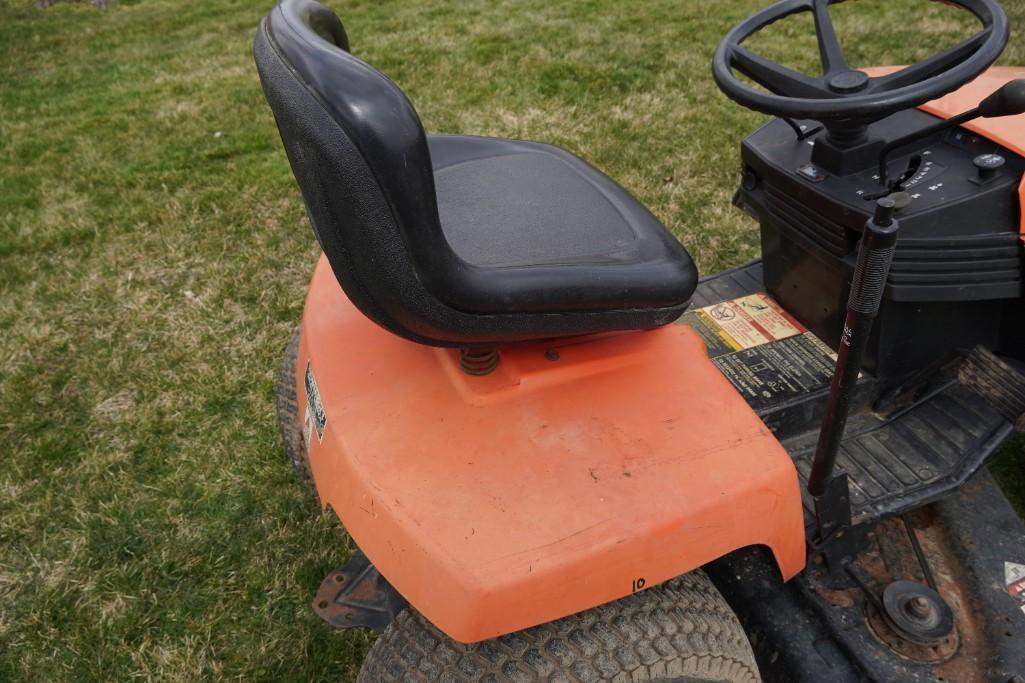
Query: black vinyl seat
[[455, 240]]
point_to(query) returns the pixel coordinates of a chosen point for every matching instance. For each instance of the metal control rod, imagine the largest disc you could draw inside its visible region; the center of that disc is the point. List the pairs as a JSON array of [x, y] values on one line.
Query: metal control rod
[[875, 255]]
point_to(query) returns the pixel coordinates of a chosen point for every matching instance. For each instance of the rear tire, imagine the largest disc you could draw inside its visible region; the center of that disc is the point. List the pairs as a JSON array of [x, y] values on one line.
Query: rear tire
[[679, 632], [289, 421]]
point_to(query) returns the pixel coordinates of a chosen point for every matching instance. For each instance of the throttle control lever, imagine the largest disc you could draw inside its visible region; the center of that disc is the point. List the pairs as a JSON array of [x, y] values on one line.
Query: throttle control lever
[[1008, 100]]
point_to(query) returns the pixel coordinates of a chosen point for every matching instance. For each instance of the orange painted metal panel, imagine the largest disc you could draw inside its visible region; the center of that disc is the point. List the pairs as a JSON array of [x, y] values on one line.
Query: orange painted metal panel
[[548, 487], [1007, 131]]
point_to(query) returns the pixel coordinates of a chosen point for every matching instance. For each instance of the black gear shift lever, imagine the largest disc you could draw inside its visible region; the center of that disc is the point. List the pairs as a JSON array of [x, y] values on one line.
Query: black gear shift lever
[[1008, 100]]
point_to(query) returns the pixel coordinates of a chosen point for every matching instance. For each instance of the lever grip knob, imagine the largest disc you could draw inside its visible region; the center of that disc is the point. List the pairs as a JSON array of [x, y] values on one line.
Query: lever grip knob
[[1008, 100], [884, 211]]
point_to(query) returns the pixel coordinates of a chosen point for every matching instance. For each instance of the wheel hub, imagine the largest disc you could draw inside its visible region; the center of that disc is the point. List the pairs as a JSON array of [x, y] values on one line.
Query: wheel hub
[[848, 81]]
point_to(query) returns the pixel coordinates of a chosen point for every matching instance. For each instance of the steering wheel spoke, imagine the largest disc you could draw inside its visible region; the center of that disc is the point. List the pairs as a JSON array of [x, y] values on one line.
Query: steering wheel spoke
[[776, 78], [830, 52], [933, 66]]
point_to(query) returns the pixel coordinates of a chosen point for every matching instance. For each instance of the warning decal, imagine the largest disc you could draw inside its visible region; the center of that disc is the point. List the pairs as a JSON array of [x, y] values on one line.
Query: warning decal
[[768, 356], [744, 323], [1014, 577], [774, 373], [314, 408]]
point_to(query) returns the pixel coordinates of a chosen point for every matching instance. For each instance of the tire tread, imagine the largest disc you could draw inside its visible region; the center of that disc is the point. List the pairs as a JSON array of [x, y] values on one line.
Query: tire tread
[[682, 630], [287, 407]]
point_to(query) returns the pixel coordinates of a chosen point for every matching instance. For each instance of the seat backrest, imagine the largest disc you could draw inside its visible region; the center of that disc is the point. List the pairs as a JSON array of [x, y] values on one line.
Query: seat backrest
[[359, 153]]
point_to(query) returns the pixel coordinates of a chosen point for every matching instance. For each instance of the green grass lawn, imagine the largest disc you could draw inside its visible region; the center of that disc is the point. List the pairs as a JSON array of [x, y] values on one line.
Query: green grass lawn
[[153, 258]]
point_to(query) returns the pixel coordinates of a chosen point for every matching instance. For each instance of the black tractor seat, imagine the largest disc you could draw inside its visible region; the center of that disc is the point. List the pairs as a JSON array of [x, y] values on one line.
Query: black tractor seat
[[454, 240]]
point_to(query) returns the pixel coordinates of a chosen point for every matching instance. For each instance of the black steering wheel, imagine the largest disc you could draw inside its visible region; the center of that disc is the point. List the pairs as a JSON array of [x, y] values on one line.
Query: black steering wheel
[[842, 96]]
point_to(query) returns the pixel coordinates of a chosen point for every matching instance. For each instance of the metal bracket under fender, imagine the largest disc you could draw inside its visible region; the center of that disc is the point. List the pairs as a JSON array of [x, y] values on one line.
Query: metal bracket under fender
[[356, 596]]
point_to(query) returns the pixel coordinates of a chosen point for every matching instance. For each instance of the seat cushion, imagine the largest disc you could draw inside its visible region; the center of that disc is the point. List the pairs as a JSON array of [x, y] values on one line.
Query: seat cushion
[[517, 205], [509, 203]]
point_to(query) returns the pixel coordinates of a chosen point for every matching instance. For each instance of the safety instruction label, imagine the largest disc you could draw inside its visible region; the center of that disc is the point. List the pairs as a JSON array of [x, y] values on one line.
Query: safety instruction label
[[315, 417], [767, 355], [1014, 577], [776, 372], [744, 323]]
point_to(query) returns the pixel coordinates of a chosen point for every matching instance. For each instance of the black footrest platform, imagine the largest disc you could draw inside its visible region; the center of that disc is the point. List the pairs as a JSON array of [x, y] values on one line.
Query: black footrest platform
[[900, 462], [929, 439]]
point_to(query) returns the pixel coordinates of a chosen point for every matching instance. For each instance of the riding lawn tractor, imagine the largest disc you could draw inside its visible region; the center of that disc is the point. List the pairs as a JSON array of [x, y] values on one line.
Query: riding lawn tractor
[[564, 456]]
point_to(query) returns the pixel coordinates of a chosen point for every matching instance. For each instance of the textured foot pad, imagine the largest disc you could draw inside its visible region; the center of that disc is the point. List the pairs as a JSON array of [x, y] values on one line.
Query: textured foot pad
[[1001, 385]]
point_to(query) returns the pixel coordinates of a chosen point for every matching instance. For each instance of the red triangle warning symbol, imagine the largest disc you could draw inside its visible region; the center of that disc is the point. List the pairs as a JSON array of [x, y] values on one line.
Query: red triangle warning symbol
[[1014, 579]]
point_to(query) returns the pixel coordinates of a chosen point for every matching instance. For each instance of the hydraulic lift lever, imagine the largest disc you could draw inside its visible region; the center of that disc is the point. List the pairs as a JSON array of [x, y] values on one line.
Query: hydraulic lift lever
[[875, 255]]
